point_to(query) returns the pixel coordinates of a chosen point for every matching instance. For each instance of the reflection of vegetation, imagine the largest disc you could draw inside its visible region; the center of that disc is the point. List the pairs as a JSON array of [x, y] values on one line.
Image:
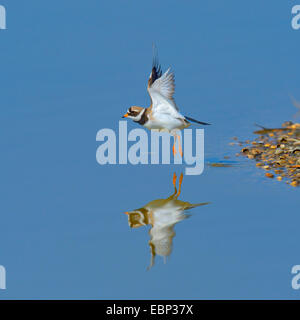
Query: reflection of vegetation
[[297, 105], [221, 164], [264, 130], [278, 152], [161, 215]]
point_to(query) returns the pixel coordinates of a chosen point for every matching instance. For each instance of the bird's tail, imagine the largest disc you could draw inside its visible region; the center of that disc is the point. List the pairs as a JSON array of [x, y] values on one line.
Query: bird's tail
[[198, 204], [196, 121]]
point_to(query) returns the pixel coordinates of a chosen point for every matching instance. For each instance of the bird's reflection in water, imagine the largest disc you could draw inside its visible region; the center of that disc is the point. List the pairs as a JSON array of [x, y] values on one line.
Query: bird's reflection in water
[[162, 215]]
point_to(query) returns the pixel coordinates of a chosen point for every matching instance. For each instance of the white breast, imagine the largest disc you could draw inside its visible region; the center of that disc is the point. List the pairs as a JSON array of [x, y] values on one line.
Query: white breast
[[164, 121]]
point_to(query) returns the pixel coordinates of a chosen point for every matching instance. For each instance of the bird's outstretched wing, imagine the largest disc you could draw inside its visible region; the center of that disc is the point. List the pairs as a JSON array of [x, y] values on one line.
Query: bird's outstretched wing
[[161, 88]]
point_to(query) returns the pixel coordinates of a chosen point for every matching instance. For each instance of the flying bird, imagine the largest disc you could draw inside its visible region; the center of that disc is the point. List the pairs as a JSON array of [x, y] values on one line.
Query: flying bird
[[163, 113]]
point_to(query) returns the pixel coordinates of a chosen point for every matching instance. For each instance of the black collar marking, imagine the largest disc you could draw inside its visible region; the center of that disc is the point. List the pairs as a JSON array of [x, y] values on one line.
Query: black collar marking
[[143, 119]]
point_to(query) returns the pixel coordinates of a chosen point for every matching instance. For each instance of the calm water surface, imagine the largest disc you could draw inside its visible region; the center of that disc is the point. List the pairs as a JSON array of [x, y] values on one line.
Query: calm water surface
[[71, 228]]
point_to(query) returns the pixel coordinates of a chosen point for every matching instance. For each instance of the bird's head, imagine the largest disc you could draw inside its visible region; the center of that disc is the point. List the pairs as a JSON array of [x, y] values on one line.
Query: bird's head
[[137, 218], [135, 113]]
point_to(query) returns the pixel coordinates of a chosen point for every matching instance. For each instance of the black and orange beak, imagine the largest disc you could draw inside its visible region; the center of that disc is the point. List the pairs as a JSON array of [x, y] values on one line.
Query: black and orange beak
[[125, 115]]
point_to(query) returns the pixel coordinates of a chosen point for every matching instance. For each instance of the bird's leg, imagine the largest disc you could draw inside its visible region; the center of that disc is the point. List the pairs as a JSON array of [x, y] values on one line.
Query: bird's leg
[[180, 182], [179, 146], [174, 179], [174, 149], [174, 184]]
